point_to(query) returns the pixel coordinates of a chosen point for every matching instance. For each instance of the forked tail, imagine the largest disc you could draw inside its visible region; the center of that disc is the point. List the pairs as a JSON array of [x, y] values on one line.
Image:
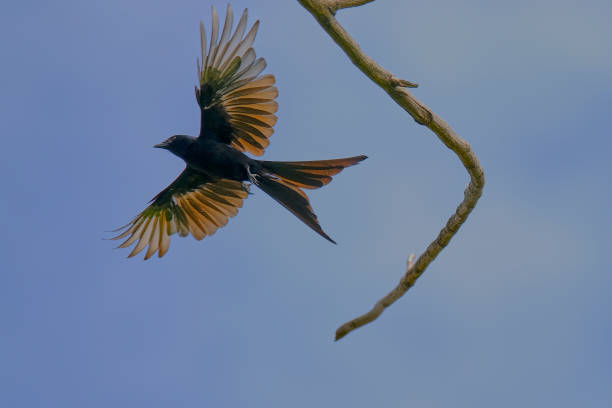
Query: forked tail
[[284, 182]]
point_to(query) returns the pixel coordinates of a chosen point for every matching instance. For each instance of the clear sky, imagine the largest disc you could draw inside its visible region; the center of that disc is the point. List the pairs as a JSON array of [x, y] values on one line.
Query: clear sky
[[515, 312]]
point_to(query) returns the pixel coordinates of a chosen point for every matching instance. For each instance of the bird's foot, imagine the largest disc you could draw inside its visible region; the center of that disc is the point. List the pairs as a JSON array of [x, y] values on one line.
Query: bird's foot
[[253, 178]]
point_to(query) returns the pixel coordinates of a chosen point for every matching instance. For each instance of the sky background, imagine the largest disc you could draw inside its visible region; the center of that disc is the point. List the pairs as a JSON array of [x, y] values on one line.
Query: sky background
[[515, 312]]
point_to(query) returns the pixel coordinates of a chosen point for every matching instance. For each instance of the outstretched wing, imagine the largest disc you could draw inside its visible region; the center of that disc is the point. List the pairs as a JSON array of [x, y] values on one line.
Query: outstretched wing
[[194, 203], [237, 104]]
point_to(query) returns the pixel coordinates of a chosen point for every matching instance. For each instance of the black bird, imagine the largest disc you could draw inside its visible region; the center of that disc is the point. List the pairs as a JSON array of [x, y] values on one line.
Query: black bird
[[237, 115]]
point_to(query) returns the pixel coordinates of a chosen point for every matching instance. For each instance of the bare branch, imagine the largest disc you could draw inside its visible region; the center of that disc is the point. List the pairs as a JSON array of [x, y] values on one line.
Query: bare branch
[[323, 11]]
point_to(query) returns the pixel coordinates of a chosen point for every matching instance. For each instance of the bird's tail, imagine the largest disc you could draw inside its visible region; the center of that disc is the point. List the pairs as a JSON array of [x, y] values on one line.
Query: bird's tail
[[284, 182]]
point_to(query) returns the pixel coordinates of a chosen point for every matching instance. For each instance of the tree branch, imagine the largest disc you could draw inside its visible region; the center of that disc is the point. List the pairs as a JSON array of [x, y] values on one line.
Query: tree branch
[[324, 11]]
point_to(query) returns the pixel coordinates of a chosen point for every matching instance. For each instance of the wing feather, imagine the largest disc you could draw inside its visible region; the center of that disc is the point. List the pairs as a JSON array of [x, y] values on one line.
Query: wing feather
[[233, 45], [194, 203], [237, 103], [223, 41], [213, 37], [142, 238], [248, 40], [205, 51], [164, 236], [154, 239], [261, 109]]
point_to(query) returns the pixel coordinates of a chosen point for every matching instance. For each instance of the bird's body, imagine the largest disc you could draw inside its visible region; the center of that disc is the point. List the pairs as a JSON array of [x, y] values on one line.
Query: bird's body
[[237, 114], [218, 160]]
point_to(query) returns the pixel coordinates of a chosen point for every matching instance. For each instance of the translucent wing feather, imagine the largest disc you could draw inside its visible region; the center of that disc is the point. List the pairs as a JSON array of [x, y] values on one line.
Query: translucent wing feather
[[193, 204], [237, 104]]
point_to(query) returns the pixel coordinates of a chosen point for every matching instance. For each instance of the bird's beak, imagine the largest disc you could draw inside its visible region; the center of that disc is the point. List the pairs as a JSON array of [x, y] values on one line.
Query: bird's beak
[[160, 145]]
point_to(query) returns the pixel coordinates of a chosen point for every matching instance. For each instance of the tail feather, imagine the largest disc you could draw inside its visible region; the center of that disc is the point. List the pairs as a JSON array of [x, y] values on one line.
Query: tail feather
[[284, 181], [293, 199], [310, 174]]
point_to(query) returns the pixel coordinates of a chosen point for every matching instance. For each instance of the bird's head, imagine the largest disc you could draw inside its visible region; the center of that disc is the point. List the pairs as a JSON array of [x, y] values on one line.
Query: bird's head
[[177, 144]]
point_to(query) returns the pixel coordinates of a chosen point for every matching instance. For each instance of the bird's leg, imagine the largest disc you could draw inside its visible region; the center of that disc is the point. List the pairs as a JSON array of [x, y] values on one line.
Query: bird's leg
[[252, 177]]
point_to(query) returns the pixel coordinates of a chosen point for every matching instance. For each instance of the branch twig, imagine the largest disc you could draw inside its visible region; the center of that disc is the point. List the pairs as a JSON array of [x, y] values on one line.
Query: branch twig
[[324, 12], [335, 5]]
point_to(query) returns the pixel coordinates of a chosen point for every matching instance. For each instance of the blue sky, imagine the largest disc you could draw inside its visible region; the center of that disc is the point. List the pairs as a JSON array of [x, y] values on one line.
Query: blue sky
[[515, 312]]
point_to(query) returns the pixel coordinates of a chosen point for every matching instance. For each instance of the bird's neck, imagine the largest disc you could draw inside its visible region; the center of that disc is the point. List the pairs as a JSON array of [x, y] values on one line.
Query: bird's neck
[[181, 149]]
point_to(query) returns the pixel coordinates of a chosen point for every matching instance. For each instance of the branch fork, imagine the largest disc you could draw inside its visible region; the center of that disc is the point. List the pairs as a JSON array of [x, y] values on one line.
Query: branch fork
[[335, 5], [402, 83]]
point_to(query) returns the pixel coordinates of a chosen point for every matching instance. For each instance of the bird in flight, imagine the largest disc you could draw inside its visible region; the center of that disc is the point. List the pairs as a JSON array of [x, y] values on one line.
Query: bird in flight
[[237, 107]]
